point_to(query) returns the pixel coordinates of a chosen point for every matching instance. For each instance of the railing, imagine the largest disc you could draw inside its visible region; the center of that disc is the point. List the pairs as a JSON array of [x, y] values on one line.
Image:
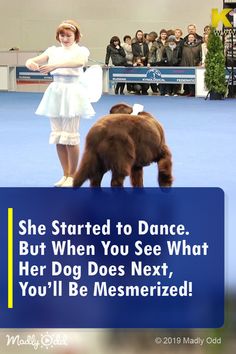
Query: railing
[[20, 78], [159, 75]]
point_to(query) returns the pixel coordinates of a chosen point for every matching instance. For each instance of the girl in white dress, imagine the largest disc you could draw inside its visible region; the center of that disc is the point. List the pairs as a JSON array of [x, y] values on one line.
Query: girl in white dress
[[68, 97]]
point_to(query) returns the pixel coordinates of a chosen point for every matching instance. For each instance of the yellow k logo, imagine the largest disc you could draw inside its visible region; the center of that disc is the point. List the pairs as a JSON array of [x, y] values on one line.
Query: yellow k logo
[[217, 17]]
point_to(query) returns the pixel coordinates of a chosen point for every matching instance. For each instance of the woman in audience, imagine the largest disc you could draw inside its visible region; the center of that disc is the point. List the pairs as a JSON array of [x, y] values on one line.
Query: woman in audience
[[191, 56], [118, 58]]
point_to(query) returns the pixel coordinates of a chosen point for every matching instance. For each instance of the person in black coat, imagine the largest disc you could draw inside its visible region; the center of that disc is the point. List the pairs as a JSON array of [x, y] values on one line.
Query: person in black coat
[[117, 55], [191, 56], [193, 30], [140, 52], [170, 57], [140, 47]]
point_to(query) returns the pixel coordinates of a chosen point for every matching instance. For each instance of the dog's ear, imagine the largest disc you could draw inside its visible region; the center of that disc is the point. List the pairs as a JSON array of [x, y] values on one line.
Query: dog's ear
[[145, 114], [121, 108]]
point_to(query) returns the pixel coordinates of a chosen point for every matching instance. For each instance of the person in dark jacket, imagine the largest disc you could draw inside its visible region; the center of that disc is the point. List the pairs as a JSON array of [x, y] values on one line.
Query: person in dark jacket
[[140, 52], [118, 58], [154, 55], [170, 57], [140, 47], [192, 29], [191, 56], [161, 42]]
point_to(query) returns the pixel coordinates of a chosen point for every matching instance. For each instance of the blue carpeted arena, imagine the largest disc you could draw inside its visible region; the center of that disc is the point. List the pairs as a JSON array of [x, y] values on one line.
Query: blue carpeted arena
[[200, 133]]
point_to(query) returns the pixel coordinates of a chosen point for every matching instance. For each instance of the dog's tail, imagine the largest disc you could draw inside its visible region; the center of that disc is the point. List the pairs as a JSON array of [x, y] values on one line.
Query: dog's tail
[[165, 177], [85, 169]]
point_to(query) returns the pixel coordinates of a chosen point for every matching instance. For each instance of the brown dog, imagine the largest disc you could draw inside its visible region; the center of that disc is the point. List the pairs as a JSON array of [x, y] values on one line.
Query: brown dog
[[124, 144]]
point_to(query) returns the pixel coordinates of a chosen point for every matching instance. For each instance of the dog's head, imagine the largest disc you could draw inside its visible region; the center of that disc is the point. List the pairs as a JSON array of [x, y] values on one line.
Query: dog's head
[[121, 108], [124, 108]]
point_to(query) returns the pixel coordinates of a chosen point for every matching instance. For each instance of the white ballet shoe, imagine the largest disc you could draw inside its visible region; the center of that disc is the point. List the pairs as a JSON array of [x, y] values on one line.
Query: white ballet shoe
[[60, 182], [68, 182]]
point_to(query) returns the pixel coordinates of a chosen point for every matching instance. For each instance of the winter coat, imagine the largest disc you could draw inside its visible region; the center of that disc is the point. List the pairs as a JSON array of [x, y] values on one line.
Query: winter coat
[[170, 57], [128, 52], [137, 51], [155, 53], [198, 38], [191, 54], [117, 56]]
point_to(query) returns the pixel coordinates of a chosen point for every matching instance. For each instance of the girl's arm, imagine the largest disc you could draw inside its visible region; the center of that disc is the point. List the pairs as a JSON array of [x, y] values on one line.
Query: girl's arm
[[45, 69], [33, 63], [135, 50], [121, 51], [108, 55], [72, 63]]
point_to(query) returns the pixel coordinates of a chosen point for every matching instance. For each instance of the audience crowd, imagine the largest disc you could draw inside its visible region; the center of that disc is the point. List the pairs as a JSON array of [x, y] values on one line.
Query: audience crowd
[[169, 48]]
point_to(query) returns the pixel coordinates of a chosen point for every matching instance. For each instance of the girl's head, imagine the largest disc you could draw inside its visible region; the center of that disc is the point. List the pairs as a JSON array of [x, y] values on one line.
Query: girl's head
[[139, 36], [69, 31], [114, 41]]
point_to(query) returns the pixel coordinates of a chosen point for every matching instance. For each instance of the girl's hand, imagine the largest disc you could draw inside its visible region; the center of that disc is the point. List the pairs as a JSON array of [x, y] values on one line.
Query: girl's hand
[[32, 65], [45, 69]]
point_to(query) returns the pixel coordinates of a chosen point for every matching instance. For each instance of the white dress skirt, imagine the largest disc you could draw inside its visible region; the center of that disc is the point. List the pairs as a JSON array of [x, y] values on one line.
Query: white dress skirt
[[70, 96]]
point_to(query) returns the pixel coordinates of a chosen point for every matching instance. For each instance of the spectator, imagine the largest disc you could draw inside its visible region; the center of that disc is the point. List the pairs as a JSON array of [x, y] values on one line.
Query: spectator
[[179, 42], [140, 87], [207, 29], [161, 44], [154, 56], [178, 36], [162, 38], [170, 57], [140, 47], [191, 56], [118, 58], [204, 48], [193, 30], [126, 45], [146, 37]]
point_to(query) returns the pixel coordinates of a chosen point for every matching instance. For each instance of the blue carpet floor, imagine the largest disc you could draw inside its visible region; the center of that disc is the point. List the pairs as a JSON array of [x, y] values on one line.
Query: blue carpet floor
[[201, 135]]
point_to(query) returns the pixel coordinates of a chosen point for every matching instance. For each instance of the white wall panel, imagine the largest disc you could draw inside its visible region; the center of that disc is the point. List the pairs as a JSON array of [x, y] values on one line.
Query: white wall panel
[[30, 24]]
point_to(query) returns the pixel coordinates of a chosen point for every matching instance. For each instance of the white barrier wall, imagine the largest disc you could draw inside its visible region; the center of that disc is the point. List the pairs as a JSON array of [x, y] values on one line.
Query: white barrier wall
[[4, 77], [10, 61]]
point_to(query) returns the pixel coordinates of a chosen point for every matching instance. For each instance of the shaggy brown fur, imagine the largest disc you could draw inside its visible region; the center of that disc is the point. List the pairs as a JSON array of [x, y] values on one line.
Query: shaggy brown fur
[[124, 144]]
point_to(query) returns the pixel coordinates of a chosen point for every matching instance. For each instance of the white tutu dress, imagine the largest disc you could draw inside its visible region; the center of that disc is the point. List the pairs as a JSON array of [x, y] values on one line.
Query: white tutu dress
[[72, 90]]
